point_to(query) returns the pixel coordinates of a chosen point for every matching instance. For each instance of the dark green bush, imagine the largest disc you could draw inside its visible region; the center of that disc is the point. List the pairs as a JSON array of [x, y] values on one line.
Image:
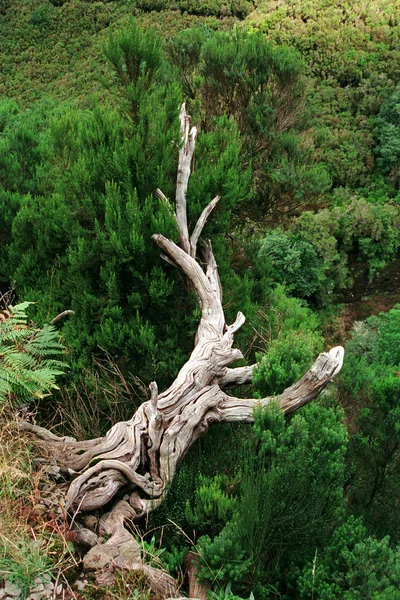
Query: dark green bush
[[288, 357], [352, 566], [329, 247], [290, 260], [388, 135], [40, 17], [370, 387], [289, 497], [218, 8]]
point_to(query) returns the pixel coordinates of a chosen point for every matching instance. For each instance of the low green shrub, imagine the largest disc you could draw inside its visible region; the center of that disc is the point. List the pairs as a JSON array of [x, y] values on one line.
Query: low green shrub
[[289, 496], [288, 357], [40, 17], [320, 254], [369, 387], [352, 566], [206, 8]]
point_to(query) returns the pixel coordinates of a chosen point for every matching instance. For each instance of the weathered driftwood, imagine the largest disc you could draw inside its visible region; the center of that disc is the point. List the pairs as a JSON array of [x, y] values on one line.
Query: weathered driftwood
[[142, 454], [196, 588]]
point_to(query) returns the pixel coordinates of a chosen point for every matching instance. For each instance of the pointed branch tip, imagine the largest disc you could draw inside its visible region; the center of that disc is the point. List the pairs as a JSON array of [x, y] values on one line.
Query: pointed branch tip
[[153, 394]]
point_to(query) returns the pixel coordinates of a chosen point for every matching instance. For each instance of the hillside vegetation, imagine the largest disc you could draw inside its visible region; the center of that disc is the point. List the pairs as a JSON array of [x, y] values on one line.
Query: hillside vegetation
[[298, 111]]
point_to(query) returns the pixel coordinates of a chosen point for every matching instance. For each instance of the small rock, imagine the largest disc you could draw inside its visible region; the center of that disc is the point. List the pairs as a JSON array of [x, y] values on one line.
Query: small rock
[[12, 590], [100, 557], [84, 537], [49, 592], [2, 593], [90, 521], [37, 595], [105, 578], [105, 556], [79, 585], [59, 588], [37, 589]]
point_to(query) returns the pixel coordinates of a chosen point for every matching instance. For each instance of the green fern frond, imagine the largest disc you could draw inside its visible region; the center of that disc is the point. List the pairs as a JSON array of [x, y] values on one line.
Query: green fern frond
[[16, 333], [5, 385], [46, 342], [29, 356]]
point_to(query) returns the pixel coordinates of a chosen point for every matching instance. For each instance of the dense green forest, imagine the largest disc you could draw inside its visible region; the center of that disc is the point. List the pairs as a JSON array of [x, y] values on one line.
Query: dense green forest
[[297, 105]]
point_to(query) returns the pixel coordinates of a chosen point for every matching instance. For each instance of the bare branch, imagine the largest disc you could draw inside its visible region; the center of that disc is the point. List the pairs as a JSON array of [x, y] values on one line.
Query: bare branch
[[210, 303], [61, 316], [167, 260], [327, 365], [44, 434], [200, 225], [236, 325], [212, 269], [154, 395], [184, 164], [237, 376]]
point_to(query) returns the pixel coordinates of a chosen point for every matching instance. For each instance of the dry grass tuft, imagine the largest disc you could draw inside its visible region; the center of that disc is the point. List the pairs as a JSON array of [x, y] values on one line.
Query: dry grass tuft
[[33, 542], [17, 481], [103, 397]]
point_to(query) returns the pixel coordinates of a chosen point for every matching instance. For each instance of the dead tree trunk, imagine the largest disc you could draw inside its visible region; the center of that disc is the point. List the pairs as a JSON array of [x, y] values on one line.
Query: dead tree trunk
[[142, 454]]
